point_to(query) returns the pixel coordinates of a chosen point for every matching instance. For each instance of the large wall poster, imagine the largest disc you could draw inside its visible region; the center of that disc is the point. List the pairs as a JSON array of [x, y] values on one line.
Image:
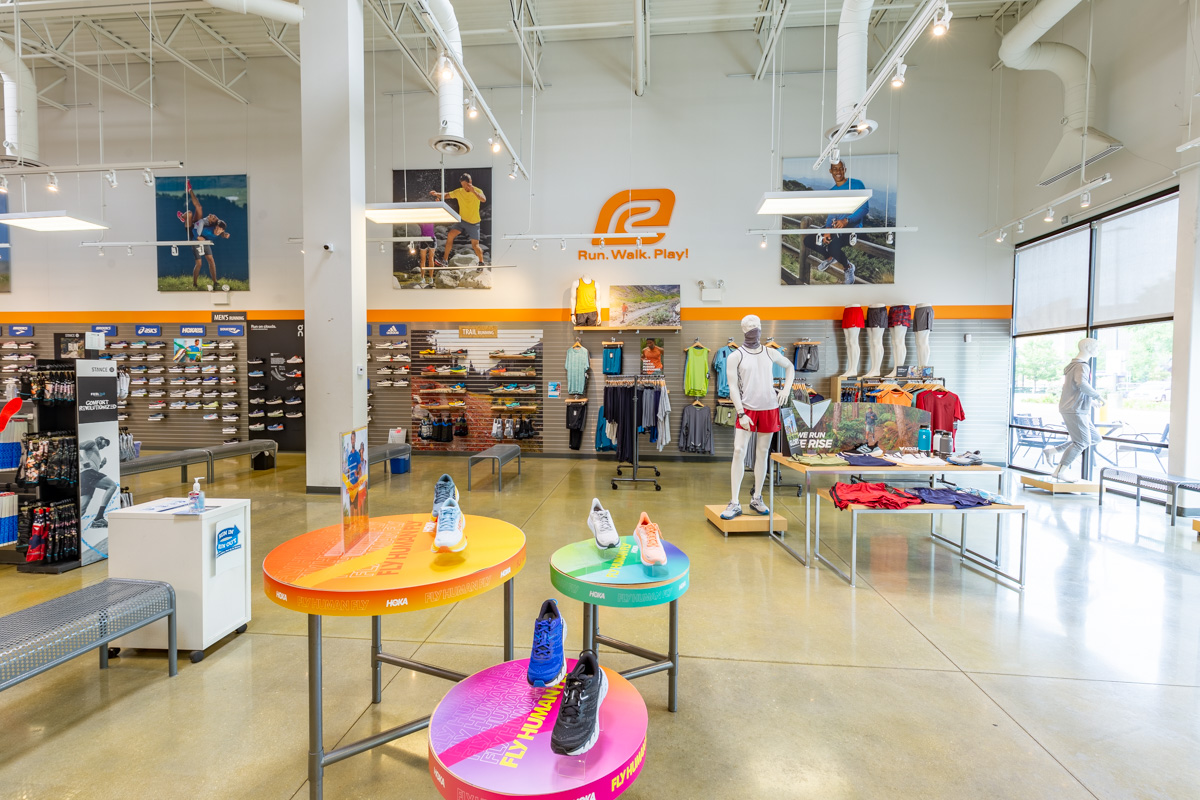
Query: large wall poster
[[646, 304], [99, 455], [5, 252], [805, 260], [210, 207], [434, 265]]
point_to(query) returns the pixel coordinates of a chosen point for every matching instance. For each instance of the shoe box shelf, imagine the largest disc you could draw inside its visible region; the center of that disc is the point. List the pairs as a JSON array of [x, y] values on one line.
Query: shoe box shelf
[[484, 387], [388, 406]]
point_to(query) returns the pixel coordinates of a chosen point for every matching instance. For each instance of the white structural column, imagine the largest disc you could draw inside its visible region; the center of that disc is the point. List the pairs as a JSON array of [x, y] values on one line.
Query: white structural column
[[1184, 455], [335, 258]]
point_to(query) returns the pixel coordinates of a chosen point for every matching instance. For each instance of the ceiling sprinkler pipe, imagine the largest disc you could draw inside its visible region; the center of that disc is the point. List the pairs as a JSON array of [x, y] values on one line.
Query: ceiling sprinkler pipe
[[278, 10], [20, 129]]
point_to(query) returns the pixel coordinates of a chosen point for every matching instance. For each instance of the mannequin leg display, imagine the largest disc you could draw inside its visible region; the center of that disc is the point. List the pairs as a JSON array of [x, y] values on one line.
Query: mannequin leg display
[[1083, 435], [852, 351], [874, 352], [737, 470], [899, 350], [922, 348], [761, 456]]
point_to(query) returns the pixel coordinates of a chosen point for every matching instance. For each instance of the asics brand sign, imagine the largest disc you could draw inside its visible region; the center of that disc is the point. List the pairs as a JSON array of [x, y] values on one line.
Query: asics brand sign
[[629, 223]]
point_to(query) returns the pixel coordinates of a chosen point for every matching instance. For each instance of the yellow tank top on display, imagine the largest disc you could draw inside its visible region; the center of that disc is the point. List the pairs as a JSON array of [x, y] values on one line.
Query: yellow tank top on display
[[585, 297]]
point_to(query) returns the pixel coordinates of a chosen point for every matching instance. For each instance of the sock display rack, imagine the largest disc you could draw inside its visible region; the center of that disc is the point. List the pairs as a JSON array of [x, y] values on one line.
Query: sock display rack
[[470, 393], [389, 402]]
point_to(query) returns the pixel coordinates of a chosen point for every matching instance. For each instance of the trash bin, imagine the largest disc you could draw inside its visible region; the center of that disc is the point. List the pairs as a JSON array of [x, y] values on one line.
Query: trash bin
[[398, 466]]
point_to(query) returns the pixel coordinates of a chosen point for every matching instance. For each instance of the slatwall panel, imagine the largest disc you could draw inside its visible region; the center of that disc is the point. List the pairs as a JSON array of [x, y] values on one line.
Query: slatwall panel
[[391, 406], [181, 428]]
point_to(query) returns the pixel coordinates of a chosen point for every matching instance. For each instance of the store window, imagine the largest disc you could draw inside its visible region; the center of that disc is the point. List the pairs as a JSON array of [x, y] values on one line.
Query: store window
[[1128, 262]]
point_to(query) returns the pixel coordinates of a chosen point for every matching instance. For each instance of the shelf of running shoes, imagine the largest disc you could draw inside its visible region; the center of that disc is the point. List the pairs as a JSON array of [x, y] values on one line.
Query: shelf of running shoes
[[808, 470], [469, 756], [992, 564], [504, 357], [496, 376], [521, 409], [498, 392], [447, 407]]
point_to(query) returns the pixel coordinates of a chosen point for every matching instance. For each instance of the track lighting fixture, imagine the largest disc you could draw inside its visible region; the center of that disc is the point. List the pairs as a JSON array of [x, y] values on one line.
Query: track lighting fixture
[[862, 125], [562, 244], [495, 143], [898, 78], [1002, 235], [129, 250], [445, 68], [853, 239], [3, 184], [174, 249], [100, 252], [412, 249], [512, 172], [51, 182], [1049, 215], [836, 158], [1085, 200], [763, 242], [472, 109], [148, 176], [1021, 226], [111, 177], [941, 23], [891, 237], [638, 241], [382, 248], [602, 241]]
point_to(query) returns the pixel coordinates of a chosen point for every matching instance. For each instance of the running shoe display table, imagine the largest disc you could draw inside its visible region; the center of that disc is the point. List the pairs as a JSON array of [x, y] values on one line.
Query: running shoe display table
[[489, 738], [390, 571], [618, 579], [903, 471]]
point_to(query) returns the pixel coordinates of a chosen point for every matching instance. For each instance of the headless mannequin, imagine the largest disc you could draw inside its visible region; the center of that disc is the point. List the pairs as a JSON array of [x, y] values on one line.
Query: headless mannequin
[[922, 343], [874, 349], [575, 292], [1075, 404], [899, 350], [738, 377], [851, 335]]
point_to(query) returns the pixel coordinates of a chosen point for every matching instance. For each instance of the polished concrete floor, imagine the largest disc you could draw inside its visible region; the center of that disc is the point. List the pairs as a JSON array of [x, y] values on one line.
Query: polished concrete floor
[[929, 680]]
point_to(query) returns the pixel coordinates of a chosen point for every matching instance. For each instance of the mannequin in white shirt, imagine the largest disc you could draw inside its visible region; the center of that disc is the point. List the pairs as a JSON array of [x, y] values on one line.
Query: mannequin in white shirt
[[751, 388]]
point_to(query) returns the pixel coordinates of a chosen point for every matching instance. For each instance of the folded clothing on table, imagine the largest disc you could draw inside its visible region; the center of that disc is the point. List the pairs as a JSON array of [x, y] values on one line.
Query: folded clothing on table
[[950, 497], [916, 460], [820, 460], [855, 460], [874, 495]]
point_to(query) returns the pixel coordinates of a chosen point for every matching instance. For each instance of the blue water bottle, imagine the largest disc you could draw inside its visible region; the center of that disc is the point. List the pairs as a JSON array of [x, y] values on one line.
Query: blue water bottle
[[924, 439]]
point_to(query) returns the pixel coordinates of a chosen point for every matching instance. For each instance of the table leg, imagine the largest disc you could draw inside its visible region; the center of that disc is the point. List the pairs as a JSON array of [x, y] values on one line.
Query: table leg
[[376, 664], [853, 548], [587, 642], [673, 654], [807, 517], [316, 751], [1024, 540], [771, 503], [595, 627], [508, 619]]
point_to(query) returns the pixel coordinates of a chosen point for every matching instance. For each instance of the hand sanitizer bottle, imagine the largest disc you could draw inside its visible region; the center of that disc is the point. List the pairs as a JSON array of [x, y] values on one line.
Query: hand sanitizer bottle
[[196, 498]]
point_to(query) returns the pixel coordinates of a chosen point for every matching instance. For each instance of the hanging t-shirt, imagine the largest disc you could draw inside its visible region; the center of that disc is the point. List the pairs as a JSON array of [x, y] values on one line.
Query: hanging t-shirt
[[719, 363], [944, 408], [577, 367], [778, 370], [695, 372], [585, 297], [894, 396]]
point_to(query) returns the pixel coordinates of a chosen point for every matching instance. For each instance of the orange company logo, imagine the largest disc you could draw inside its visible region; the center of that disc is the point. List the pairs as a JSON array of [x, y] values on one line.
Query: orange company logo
[[621, 223]]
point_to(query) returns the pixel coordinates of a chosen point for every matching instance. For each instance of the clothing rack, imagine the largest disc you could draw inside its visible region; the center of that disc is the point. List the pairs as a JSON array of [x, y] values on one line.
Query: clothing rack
[[635, 463]]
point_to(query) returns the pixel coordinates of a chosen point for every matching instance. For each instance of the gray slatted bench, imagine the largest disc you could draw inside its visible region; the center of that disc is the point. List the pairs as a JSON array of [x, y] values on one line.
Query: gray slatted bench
[[41, 637], [252, 447], [499, 455], [1169, 485], [177, 458], [384, 452]]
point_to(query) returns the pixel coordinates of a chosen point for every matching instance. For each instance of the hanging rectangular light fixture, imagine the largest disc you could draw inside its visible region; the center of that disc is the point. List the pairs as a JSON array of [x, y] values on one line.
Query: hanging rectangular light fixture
[[49, 221], [411, 213], [836, 201]]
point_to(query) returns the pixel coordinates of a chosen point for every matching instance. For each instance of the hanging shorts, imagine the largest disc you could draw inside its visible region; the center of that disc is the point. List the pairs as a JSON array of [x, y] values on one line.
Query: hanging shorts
[[852, 317], [764, 421], [900, 315], [876, 317], [923, 318]]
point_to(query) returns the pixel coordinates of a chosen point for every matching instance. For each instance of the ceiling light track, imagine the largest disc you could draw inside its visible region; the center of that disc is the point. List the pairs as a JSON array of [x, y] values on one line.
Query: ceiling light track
[[13, 168], [1046, 210]]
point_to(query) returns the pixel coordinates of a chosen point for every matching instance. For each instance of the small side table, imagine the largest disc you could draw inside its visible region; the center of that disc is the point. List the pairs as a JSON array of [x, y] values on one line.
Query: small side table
[[489, 739], [617, 578]]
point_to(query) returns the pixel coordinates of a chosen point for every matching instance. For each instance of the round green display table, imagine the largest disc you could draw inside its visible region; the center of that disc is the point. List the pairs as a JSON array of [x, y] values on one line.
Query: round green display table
[[617, 578]]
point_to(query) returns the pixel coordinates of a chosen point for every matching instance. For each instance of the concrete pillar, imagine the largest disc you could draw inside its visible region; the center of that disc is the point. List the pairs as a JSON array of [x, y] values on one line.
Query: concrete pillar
[[1184, 456], [335, 259]]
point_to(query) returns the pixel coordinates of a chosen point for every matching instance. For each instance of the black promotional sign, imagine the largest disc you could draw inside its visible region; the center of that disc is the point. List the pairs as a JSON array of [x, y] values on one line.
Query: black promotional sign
[[99, 454], [276, 345]]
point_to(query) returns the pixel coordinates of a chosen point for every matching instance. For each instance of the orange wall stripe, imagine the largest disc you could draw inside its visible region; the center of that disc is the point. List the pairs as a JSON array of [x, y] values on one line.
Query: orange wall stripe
[[132, 317], [722, 314]]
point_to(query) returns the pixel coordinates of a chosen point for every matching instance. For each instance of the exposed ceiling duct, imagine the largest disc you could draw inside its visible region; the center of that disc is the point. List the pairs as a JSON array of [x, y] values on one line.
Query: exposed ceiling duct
[[852, 66], [1021, 49], [278, 10], [20, 89], [450, 139]]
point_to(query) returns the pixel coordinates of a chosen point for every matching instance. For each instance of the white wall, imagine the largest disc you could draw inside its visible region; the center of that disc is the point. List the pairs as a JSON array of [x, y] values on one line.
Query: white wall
[[702, 134]]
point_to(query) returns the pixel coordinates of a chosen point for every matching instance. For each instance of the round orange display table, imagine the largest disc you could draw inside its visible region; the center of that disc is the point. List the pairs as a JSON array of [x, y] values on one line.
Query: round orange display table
[[392, 569]]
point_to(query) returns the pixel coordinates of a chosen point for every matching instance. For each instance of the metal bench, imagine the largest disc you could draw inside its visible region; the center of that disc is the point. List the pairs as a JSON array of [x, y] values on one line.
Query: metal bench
[[177, 458], [499, 454], [252, 447], [1169, 485], [41, 637], [384, 452]]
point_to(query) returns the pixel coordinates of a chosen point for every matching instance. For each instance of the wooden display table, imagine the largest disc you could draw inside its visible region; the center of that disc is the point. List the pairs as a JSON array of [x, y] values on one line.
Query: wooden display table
[[745, 523], [1053, 486], [489, 739], [390, 571]]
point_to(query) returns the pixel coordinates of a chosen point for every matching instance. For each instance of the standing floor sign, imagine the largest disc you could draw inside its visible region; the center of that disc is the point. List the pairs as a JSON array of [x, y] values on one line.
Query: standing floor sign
[[355, 522], [99, 454]]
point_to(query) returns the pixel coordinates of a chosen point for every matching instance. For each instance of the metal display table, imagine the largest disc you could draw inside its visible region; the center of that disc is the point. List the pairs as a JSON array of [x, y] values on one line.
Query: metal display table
[[390, 571], [489, 739], [617, 578], [809, 471], [933, 509]]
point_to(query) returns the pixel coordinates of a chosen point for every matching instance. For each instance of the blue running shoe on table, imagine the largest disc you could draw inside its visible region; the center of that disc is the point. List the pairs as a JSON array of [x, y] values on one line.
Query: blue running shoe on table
[[443, 490], [548, 662]]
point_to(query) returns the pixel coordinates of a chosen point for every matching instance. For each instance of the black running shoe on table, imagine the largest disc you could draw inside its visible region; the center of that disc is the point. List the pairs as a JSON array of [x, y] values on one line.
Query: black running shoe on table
[[578, 724]]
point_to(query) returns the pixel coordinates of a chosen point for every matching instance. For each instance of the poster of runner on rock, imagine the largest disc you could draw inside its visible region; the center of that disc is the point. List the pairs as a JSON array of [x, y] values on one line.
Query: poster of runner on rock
[[447, 256]]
